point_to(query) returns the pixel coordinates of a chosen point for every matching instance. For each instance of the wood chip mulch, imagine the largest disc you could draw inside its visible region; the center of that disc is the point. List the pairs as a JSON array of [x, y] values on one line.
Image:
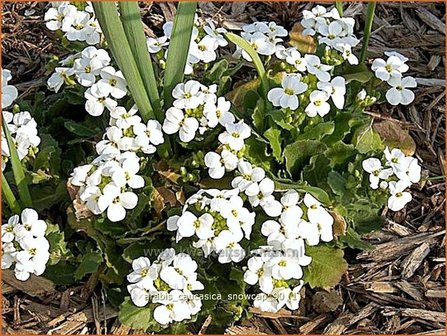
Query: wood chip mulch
[[396, 288]]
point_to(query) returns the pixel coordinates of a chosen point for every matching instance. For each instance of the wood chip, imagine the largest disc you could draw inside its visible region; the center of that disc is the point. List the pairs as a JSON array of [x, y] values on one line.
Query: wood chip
[[424, 314], [430, 20], [237, 330], [35, 286], [310, 326], [414, 260], [339, 325]]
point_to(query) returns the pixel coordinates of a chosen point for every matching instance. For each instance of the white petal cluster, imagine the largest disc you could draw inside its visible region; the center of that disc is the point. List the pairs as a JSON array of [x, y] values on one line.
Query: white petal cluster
[[395, 173], [107, 184], [205, 41], [335, 32], [24, 244], [91, 69], [9, 92], [169, 283], [21, 125], [278, 275], [294, 88], [391, 71], [196, 110], [264, 37], [77, 25], [218, 220]]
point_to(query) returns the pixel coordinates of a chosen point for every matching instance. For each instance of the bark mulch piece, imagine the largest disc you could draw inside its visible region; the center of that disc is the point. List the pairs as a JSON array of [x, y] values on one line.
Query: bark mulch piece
[[396, 288]]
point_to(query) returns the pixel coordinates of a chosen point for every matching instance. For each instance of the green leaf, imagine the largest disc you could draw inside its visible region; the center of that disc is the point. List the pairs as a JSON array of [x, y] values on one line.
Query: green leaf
[[90, 263], [342, 128], [274, 136], [278, 118], [133, 27], [359, 73], [17, 169], [61, 274], [58, 246], [258, 116], [340, 153], [327, 266], [316, 172], [354, 241], [240, 42], [318, 193], [337, 183], [133, 316], [256, 153], [318, 131], [11, 200], [217, 70], [178, 48], [80, 129], [47, 196], [366, 140], [298, 153], [107, 15]]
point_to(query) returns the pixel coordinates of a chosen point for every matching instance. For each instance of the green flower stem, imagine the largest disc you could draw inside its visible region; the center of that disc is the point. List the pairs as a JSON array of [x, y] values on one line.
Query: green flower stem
[[339, 6], [367, 32], [10, 199]]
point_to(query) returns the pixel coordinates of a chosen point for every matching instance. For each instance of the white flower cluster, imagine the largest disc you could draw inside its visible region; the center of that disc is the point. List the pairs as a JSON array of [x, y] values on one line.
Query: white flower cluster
[[278, 276], [277, 268], [24, 244], [196, 108], [92, 69], [169, 282], [294, 87], [219, 219], [391, 71], [77, 25], [108, 183], [332, 30], [205, 40], [264, 37], [397, 174], [21, 125]]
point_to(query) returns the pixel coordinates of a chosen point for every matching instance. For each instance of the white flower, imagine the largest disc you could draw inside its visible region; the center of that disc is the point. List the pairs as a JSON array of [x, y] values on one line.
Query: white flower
[[392, 67], [394, 158], [228, 248], [112, 82], [9, 92], [314, 209], [33, 257], [262, 44], [172, 308], [319, 228], [205, 50], [141, 292], [31, 225], [409, 170], [399, 94], [124, 119], [116, 202], [126, 174], [142, 271], [318, 104], [216, 33], [187, 95], [266, 303], [287, 96], [285, 268], [175, 121], [291, 212], [248, 179], [176, 275], [97, 100], [336, 89], [374, 167], [293, 57], [255, 270], [59, 77], [218, 114], [399, 198], [235, 135], [8, 229], [218, 164], [315, 67], [154, 45], [148, 136], [188, 224], [60, 18]]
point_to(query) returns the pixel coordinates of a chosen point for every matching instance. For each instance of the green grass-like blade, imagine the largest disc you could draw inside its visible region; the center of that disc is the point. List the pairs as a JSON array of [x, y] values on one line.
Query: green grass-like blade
[[107, 15], [239, 41], [339, 6], [133, 27], [178, 48], [367, 32], [17, 169], [9, 197]]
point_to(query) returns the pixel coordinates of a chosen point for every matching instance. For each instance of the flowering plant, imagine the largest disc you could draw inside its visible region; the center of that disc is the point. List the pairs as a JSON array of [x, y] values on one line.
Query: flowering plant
[[196, 195]]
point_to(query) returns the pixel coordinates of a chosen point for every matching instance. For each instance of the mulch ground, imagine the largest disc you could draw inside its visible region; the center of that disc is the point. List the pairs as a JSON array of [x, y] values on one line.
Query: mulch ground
[[396, 288]]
